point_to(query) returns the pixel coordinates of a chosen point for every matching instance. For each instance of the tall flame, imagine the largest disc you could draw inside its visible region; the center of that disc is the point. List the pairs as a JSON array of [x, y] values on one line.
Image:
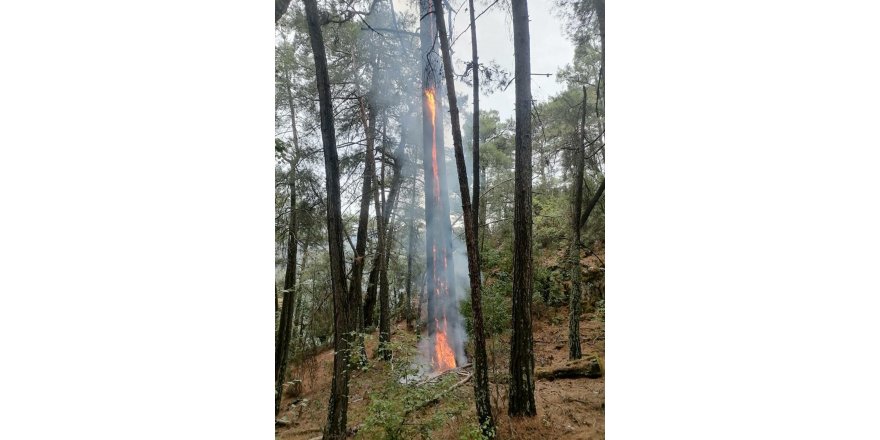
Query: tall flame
[[432, 109], [444, 356], [443, 352]]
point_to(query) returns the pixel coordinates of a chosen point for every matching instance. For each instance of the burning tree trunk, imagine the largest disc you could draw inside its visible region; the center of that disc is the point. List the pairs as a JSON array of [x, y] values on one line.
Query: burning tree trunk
[[577, 187], [521, 398], [438, 232], [481, 377], [344, 314]]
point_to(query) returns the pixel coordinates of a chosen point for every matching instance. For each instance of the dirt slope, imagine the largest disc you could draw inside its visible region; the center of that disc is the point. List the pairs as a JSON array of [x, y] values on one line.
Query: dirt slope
[[567, 408]]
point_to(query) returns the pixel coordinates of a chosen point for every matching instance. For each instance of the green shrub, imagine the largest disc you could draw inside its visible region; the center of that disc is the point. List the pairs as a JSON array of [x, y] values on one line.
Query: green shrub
[[496, 309]]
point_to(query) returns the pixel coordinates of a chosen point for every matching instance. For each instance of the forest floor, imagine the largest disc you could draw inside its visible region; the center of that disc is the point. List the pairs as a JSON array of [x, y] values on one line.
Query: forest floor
[[378, 403]]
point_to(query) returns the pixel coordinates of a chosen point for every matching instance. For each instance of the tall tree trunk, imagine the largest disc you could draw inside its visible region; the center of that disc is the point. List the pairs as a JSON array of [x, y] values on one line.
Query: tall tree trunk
[[282, 341], [521, 398], [344, 314], [481, 377], [476, 125], [577, 189]]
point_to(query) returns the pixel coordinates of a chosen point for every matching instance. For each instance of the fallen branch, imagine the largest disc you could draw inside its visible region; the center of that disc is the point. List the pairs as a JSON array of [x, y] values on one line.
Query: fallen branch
[[431, 379], [437, 398], [584, 367]]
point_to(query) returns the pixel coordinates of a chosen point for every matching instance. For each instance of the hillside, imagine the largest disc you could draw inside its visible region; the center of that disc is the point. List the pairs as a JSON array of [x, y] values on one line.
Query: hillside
[[378, 403]]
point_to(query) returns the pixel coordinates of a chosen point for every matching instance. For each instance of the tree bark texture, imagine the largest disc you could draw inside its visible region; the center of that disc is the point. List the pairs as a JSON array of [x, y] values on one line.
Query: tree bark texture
[[476, 125], [344, 312], [521, 395]]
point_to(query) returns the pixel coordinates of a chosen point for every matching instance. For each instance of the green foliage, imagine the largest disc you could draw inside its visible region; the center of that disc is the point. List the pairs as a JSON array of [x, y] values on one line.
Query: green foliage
[[396, 410], [496, 308], [472, 432]]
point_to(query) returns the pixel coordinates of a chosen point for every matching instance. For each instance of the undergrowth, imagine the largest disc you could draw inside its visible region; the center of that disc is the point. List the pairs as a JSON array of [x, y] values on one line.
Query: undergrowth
[[398, 410]]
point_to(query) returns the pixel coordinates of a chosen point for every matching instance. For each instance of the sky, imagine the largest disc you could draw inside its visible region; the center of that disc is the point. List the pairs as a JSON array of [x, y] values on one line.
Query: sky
[[550, 49]]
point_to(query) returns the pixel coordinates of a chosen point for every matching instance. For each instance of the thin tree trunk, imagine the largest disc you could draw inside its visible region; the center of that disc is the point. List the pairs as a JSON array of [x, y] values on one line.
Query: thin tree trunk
[[577, 188], [592, 203], [381, 251], [374, 281], [409, 256], [344, 314], [599, 5], [297, 314], [282, 341], [357, 269], [521, 399], [481, 377], [476, 125], [285, 326]]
